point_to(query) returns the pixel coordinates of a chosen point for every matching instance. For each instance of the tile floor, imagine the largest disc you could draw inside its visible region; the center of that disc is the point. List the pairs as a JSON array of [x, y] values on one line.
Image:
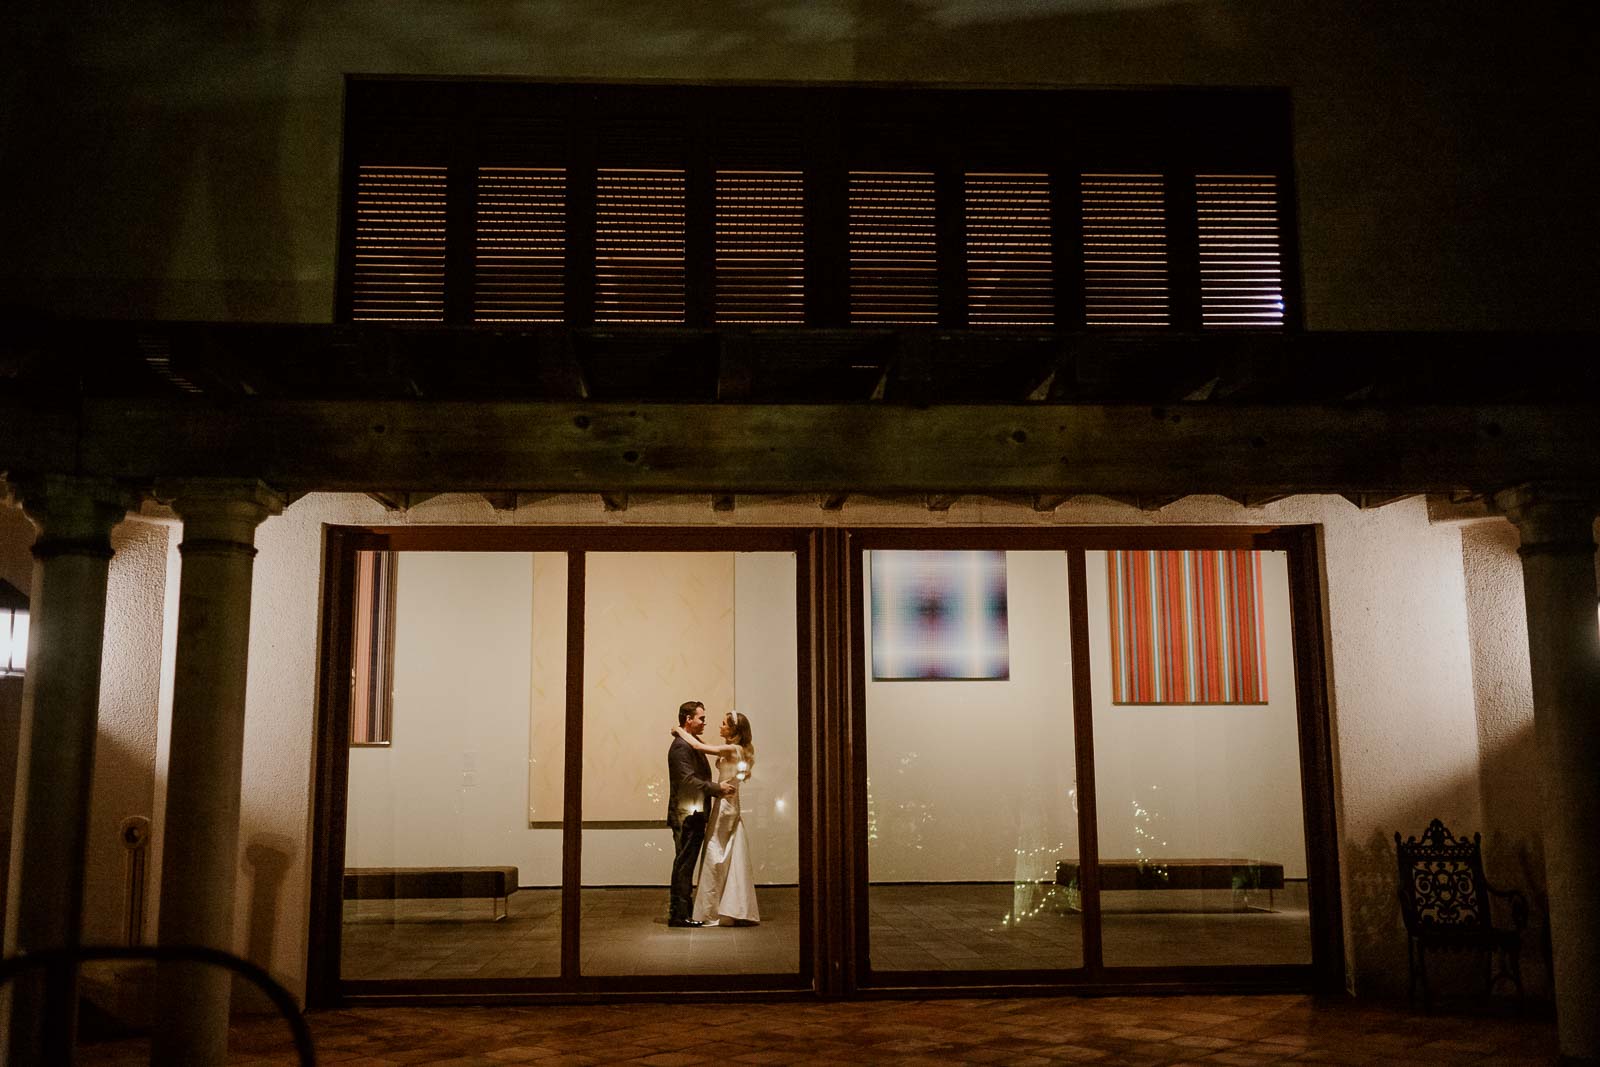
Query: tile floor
[[1134, 1031]]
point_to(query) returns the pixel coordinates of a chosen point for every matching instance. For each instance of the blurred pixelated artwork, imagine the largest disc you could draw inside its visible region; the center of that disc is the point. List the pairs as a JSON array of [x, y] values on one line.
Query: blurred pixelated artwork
[[939, 615]]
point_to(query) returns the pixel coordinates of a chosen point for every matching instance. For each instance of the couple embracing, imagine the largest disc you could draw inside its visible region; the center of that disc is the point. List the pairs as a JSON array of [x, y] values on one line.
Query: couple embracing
[[703, 811]]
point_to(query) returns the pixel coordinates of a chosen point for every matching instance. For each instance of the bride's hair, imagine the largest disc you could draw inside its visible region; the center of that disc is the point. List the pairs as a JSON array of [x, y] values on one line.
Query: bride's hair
[[741, 734]]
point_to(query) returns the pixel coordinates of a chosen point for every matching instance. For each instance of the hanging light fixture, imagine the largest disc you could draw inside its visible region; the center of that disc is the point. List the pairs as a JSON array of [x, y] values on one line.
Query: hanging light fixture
[[13, 630]]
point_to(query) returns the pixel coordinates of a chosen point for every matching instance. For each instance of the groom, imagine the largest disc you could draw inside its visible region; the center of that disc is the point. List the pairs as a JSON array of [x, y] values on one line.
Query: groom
[[690, 789]]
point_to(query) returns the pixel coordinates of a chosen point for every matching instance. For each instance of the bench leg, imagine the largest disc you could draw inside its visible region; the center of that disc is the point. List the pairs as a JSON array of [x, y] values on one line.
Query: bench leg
[[501, 907], [1271, 901]]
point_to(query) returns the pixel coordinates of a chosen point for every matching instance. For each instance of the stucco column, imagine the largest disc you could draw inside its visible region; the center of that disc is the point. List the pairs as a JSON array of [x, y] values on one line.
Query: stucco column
[[55, 749], [206, 751], [1558, 578]]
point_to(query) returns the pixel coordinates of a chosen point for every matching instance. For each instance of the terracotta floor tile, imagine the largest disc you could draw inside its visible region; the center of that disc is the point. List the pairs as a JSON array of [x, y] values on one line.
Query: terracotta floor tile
[[1142, 1033], [1130, 1031]]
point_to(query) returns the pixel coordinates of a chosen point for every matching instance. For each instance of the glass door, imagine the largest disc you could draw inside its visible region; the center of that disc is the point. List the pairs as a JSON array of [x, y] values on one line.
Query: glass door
[[446, 879], [971, 777], [716, 632], [514, 792], [1200, 824]]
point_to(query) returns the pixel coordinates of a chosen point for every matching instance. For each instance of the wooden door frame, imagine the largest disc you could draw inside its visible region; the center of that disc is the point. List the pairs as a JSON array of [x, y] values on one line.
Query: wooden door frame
[[1325, 972], [831, 681], [325, 988]]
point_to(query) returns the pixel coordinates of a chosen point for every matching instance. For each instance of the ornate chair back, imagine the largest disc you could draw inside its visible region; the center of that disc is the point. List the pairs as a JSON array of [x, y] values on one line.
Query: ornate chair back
[[1442, 882]]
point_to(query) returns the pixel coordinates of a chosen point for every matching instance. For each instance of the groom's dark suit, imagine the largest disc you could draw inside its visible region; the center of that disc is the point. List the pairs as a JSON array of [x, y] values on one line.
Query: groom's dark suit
[[689, 795]]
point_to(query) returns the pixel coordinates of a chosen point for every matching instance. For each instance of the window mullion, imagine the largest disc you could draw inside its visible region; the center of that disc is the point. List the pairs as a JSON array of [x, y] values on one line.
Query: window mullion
[[1066, 225], [580, 221], [950, 208], [1183, 249], [699, 216], [827, 224]]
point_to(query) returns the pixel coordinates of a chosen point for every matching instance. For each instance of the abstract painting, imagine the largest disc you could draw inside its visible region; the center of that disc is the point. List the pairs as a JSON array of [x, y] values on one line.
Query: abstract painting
[[939, 615]]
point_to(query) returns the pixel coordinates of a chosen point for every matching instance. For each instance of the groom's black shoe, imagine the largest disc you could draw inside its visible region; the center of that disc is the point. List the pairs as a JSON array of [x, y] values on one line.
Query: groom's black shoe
[[689, 923]]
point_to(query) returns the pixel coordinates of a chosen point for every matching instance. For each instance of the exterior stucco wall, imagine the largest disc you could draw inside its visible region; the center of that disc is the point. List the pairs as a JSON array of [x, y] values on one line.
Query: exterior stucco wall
[[125, 750], [185, 165], [1406, 731], [1430, 713]]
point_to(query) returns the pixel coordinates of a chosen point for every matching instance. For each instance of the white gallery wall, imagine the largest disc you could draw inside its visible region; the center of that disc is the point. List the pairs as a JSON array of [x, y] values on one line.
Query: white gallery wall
[[479, 711], [967, 780], [976, 780], [1200, 780], [452, 787]]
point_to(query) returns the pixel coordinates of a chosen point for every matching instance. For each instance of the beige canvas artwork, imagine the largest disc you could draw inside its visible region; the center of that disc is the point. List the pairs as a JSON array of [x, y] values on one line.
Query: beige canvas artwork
[[547, 696], [658, 630]]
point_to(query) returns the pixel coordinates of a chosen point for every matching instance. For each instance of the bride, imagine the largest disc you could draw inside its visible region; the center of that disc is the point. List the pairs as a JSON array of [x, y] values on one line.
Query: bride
[[726, 893]]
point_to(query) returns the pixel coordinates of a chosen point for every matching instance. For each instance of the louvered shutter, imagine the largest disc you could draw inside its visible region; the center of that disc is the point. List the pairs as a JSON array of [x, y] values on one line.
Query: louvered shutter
[[398, 266], [1125, 275], [893, 248], [1009, 257], [639, 245], [519, 254], [1241, 250], [759, 247]]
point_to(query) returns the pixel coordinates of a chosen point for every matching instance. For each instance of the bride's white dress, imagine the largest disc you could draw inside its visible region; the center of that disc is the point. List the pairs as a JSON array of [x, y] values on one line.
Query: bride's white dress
[[726, 892]]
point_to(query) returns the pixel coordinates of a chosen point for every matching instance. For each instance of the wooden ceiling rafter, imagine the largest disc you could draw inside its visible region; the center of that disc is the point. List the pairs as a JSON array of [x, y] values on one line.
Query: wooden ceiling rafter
[[238, 362]]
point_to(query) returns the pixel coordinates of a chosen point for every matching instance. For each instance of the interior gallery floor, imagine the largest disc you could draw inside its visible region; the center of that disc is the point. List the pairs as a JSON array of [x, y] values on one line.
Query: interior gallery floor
[[912, 928]]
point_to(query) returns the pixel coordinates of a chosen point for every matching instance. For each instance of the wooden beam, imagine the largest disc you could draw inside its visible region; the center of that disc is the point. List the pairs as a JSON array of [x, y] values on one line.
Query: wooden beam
[[1368, 501], [1131, 450], [1454, 508]]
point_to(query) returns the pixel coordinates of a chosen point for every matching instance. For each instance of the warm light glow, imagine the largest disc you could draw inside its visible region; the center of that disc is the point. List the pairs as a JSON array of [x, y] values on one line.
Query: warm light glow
[[13, 630], [779, 806], [13, 643]]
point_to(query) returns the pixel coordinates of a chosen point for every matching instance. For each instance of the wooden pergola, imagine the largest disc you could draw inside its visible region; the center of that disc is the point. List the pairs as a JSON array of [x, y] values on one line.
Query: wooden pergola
[[1142, 418]]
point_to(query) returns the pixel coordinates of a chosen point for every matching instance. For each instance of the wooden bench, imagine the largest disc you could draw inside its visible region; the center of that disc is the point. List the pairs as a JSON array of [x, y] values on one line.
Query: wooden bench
[[1187, 873], [432, 883]]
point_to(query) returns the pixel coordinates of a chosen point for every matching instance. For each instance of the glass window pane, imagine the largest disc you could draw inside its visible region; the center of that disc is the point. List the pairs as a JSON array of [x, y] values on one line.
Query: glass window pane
[[444, 876], [660, 629], [1197, 760], [971, 777]]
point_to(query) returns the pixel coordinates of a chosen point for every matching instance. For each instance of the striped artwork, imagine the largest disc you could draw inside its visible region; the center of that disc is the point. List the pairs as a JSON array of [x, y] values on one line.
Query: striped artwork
[[1187, 627], [372, 650]]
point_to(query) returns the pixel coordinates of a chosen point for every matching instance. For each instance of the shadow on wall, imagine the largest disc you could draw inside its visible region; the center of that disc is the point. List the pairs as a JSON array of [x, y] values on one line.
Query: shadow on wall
[[1515, 860], [267, 859]]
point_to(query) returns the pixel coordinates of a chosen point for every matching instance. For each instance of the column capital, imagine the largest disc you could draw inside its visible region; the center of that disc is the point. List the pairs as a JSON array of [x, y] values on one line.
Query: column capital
[[219, 510], [1551, 518], [73, 514]]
